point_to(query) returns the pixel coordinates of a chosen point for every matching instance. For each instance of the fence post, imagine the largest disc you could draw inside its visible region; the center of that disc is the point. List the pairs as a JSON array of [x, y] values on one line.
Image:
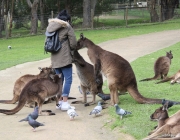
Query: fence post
[[126, 15], [52, 14]]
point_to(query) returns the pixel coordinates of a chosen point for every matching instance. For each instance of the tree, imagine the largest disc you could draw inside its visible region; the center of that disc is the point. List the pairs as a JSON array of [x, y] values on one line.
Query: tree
[[161, 10], [1, 17], [88, 12], [34, 17]]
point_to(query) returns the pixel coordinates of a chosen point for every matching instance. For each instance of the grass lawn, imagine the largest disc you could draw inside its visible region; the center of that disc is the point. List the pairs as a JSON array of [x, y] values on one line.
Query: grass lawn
[[138, 124], [28, 49]]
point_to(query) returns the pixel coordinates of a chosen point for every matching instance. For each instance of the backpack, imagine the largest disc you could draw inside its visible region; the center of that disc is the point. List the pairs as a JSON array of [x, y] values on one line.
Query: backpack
[[52, 43]]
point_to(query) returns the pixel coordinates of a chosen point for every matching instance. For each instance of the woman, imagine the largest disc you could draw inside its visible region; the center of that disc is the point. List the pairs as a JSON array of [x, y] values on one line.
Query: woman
[[62, 60]]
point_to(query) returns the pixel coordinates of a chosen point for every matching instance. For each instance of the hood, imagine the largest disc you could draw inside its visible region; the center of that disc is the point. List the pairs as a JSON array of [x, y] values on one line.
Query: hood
[[55, 24]]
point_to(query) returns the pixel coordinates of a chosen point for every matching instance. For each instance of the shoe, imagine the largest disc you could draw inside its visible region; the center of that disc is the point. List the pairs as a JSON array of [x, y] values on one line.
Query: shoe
[[65, 106], [58, 106]]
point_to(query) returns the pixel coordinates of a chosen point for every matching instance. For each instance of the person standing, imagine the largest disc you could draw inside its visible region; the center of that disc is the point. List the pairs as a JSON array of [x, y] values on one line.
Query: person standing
[[62, 60]]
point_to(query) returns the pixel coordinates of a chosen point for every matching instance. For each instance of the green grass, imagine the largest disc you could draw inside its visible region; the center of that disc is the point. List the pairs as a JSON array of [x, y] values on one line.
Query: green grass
[[30, 48], [138, 124]]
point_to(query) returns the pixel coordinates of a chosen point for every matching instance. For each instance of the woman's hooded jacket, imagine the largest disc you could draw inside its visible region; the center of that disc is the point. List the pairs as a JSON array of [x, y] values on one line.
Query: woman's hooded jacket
[[66, 34]]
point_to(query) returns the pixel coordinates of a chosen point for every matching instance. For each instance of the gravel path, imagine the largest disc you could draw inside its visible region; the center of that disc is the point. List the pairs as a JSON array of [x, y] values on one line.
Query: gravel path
[[84, 127]]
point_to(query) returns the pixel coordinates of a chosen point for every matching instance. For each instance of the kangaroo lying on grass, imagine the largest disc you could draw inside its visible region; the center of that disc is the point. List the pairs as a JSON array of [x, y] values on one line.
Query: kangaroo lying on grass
[[119, 73], [37, 90], [86, 77], [161, 67], [174, 78], [23, 80], [167, 126]]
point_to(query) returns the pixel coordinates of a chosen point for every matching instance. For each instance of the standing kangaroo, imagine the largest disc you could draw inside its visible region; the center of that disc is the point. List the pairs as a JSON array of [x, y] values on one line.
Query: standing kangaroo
[[37, 91], [117, 70], [161, 67], [174, 78], [85, 73]]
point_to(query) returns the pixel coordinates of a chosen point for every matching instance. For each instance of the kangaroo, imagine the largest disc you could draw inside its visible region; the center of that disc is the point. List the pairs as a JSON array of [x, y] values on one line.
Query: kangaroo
[[23, 80], [86, 77], [174, 78], [167, 126], [116, 69], [161, 67], [37, 90]]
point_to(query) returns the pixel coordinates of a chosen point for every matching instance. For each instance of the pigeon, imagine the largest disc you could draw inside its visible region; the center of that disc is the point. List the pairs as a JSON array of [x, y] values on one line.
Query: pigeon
[[170, 103], [72, 113], [80, 90], [34, 123], [121, 112], [97, 109], [104, 97], [34, 114]]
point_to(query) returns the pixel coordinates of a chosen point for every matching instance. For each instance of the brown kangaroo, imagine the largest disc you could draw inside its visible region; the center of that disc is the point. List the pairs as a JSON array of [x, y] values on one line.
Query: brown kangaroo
[[118, 71], [23, 80], [174, 78], [167, 126], [161, 67], [37, 90], [85, 73]]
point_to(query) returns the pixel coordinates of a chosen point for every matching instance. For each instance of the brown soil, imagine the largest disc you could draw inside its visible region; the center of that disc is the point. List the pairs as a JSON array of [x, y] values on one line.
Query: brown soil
[[84, 127]]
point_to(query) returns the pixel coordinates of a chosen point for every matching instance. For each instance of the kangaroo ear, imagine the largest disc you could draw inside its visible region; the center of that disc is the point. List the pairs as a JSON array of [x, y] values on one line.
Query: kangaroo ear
[[170, 51], [40, 68], [81, 36], [165, 106], [51, 76]]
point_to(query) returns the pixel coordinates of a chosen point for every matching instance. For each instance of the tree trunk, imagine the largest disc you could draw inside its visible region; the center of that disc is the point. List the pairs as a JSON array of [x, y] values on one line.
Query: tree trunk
[[153, 10], [1, 17], [42, 14], [88, 12], [11, 18], [34, 18], [166, 9]]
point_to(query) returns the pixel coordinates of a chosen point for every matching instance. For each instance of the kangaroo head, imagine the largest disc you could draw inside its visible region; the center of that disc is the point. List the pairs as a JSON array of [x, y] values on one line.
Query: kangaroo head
[[169, 54], [80, 42], [44, 72], [160, 113]]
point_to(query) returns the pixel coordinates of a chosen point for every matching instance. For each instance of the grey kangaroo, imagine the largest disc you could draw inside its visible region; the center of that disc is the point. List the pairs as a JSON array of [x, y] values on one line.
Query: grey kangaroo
[[118, 71], [161, 67], [85, 73]]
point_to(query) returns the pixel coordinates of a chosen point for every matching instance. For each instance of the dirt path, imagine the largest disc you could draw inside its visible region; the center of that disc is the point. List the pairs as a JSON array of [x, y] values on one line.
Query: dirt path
[[84, 127]]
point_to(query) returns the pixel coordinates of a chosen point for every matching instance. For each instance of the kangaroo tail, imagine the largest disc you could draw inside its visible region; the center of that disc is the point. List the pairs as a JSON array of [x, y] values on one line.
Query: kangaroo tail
[[165, 80], [141, 99], [21, 103], [173, 138], [13, 101], [148, 79]]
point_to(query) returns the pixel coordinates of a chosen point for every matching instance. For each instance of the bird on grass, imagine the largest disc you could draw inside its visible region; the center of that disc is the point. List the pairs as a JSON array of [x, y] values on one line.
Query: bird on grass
[[121, 112], [97, 109], [169, 103], [104, 97], [34, 114], [33, 123], [72, 113]]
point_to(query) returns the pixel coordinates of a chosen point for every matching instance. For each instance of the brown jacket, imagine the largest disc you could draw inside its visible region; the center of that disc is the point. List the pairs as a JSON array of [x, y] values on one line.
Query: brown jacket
[[63, 57]]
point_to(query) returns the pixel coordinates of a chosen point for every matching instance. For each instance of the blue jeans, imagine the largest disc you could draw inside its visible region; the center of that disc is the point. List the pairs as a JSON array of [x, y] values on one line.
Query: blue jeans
[[66, 79]]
